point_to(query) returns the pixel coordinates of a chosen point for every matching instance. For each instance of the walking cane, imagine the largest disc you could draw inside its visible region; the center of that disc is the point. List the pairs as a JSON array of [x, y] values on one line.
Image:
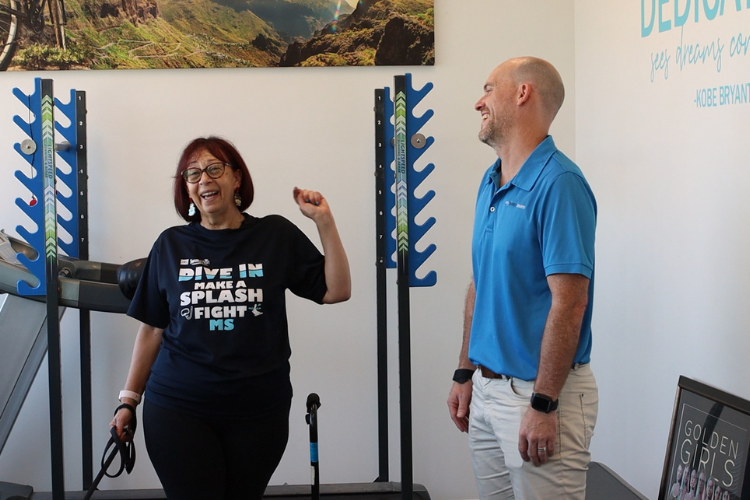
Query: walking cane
[[313, 403]]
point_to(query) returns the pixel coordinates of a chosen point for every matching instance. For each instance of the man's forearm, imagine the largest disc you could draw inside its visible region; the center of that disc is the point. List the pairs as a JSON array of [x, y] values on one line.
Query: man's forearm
[[463, 358], [561, 332]]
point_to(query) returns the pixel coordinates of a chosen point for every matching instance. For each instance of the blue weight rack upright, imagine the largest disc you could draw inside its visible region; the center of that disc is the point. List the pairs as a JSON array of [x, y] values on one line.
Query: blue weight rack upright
[[41, 151]]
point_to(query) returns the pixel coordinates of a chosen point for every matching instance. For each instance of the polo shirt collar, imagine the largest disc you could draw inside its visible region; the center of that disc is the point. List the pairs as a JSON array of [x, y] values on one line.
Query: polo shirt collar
[[531, 168]]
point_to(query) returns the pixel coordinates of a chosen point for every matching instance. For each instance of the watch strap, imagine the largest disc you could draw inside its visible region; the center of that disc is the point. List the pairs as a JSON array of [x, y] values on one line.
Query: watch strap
[[129, 394], [543, 403], [462, 375]]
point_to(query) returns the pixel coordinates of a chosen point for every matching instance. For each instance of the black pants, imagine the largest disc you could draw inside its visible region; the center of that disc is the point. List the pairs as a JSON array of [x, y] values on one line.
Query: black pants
[[217, 459]]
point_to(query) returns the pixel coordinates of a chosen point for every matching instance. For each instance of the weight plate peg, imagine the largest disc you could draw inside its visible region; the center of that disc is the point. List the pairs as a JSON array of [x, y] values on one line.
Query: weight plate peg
[[418, 141], [28, 147]]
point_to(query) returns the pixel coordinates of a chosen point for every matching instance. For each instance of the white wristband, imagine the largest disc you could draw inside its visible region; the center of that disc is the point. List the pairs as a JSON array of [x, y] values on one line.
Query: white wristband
[[129, 394]]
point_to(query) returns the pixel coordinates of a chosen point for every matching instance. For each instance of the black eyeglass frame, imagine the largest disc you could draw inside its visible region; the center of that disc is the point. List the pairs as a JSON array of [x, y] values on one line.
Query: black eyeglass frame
[[206, 170]]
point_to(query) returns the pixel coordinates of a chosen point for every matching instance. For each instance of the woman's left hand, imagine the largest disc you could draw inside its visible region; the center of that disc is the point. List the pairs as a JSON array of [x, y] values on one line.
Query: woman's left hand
[[311, 203]]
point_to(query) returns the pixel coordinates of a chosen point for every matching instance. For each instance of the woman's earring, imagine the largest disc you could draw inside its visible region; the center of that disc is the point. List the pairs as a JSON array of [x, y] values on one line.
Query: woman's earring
[[237, 198], [191, 209]]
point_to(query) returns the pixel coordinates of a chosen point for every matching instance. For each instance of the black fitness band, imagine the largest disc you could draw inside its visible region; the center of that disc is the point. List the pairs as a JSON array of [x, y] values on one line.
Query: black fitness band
[[126, 448], [462, 375], [126, 451]]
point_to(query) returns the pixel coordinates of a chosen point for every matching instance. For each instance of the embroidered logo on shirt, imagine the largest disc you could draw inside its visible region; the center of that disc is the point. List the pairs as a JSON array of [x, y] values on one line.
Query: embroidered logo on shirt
[[514, 204]]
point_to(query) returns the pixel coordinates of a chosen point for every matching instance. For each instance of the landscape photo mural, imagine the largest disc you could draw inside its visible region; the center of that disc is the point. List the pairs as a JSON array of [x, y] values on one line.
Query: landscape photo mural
[[151, 34]]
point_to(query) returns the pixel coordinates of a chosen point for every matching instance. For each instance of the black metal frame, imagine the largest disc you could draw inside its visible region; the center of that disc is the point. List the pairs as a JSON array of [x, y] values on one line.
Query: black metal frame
[[52, 297], [404, 325], [722, 423], [53, 317], [380, 265], [87, 454], [404, 317]]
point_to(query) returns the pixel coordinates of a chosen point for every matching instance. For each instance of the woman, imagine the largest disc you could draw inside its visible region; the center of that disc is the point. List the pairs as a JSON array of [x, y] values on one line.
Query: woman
[[685, 481], [709, 489], [675, 491], [692, 486], [212, 352]]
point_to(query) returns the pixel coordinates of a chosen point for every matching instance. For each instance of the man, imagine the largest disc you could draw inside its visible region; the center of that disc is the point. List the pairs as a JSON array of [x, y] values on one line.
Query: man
[[531, 406]]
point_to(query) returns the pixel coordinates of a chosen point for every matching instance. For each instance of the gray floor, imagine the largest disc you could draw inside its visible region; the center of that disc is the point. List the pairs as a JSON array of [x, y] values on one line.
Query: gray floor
[[602, 484]]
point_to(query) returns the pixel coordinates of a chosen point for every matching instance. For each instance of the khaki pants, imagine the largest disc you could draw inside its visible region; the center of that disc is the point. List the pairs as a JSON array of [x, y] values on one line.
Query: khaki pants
[[497, 408]]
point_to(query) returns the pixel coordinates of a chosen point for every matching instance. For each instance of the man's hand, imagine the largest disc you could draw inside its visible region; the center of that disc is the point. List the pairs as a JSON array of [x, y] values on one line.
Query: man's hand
[[536, 438], [458, 404]]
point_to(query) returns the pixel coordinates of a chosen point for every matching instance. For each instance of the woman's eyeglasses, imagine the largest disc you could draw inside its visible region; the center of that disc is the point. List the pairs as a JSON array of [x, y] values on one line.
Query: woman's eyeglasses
[[194, 174]]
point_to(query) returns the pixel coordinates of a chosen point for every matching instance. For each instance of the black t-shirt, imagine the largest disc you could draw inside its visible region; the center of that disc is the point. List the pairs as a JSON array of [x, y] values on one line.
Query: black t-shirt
[[219, 295]]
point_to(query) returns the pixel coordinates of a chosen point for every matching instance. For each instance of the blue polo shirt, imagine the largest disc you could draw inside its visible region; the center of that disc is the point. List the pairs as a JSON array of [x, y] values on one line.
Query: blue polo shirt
[[540, 223]]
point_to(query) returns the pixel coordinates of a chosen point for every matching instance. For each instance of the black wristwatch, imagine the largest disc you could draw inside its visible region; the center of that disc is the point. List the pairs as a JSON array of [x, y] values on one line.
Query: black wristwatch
[[462, 375], [543, 403]]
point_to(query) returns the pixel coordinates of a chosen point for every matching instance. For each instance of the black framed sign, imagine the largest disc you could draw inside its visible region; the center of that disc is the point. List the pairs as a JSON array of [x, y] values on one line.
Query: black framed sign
[[709, 442]]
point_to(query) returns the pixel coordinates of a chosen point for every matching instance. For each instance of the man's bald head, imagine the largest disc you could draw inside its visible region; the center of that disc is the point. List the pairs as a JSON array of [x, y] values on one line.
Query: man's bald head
[[542, 76]]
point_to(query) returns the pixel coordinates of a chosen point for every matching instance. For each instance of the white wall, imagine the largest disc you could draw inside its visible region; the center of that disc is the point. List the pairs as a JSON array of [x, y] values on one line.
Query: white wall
[[313, 128], [671, 180]]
